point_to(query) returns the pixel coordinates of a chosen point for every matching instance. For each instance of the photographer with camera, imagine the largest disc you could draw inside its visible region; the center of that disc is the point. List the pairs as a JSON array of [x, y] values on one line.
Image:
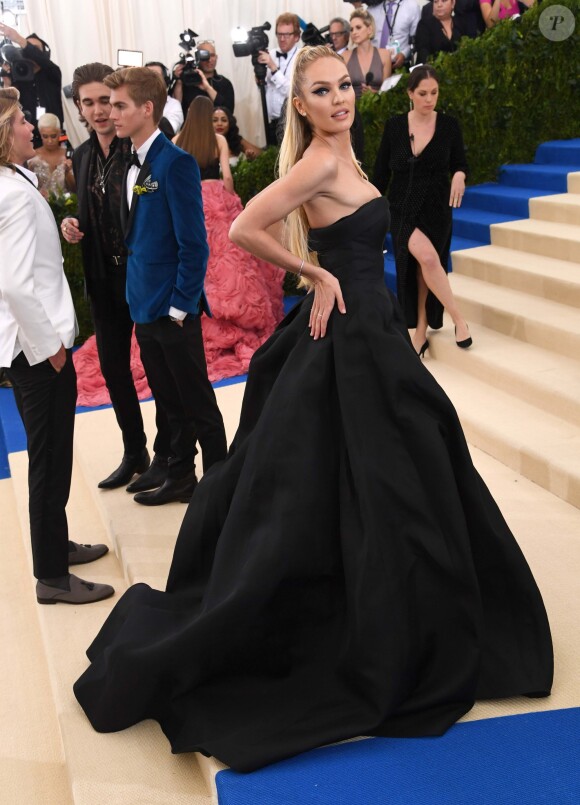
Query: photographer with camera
[[279, 64], [28, 67], [172, 120], [203, 79]]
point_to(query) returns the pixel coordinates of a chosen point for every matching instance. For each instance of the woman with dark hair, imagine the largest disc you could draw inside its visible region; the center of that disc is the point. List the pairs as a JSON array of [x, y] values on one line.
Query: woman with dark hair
[[421, 155], [225, 123], [244, 293], [344, 571], [199, 139]]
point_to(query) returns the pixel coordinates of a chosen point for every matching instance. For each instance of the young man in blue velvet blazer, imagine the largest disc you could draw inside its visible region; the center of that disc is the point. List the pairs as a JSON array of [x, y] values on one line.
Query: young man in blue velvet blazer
[[167, 258]]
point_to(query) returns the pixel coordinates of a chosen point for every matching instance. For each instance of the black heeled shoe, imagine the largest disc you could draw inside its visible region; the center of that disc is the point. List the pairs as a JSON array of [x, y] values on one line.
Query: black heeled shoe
[[423, 349], [465, 344]]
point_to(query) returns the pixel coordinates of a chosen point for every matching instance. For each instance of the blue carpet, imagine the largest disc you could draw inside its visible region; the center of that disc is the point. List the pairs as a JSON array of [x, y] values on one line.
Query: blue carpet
[[529, 759]]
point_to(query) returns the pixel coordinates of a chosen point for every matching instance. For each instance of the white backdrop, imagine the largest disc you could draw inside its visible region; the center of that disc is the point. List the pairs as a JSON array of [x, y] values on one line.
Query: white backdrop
[[82, 31]]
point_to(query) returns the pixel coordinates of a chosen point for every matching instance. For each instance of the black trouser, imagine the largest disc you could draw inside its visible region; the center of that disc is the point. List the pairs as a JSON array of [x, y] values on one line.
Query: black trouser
[[271, 138], [113, 337], [175, 365], [113, 330], [46, 400]]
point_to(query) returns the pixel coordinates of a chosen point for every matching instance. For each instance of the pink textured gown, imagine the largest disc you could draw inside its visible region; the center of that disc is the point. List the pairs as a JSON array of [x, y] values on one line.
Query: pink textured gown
[[245, 297]]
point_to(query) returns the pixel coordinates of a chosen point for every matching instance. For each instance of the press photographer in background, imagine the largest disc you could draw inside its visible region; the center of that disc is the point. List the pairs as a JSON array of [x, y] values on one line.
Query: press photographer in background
[[27, 66], [173, 117], [279, 64], [203, 79]]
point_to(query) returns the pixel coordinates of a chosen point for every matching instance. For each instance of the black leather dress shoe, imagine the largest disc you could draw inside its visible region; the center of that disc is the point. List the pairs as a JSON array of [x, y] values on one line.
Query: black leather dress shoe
[[154, 477], [130, 465], [81, 554], [173, 491]]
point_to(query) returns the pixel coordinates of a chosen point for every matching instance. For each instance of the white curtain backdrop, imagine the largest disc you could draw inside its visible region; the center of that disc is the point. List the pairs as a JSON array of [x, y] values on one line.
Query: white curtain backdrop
[[82, 31]]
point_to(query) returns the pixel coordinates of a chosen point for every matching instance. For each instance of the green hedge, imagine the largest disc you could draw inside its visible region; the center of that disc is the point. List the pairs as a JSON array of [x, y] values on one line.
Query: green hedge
[[73, 265], [511, 90]]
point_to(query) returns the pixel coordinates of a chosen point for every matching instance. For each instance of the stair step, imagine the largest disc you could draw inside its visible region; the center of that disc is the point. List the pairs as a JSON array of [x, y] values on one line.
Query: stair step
[[574, 182], [554, 178], [537, 376], [558, 152], [546, 277], [544, 449], [138, 762], [501, 198], [474, 224], [561, 241], [459, 243], [32, 759], [527, 318], [563, 208]]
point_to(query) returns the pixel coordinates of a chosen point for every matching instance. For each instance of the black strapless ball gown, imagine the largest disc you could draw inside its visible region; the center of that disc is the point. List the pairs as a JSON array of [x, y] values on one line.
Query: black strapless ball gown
[[344, 571]]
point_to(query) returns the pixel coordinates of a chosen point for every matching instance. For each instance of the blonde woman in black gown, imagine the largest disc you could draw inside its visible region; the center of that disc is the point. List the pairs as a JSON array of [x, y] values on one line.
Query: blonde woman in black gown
[[344, 571], [421, 154]]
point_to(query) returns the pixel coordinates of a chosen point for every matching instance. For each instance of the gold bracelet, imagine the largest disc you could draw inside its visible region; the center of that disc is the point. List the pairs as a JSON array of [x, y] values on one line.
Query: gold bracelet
[[299, 274]]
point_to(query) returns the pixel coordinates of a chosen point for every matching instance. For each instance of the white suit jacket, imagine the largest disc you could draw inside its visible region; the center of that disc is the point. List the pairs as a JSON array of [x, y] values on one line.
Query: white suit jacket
[[36, 307]]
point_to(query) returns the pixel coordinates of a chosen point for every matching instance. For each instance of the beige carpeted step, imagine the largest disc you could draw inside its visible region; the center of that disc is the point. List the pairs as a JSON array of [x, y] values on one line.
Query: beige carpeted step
[[560, 241], [537, 321], [534, 443], [32, 760], [563, 208], [574, 182], [537, 376], [557, 280], [143, 537], [134, 766]]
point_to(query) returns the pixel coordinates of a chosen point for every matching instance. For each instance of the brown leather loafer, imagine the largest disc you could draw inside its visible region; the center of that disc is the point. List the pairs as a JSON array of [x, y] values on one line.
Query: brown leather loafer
[[81, 554], [81, 592]]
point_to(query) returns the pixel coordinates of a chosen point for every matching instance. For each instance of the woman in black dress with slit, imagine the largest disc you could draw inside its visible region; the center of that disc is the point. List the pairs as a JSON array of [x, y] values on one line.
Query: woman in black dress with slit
[[421, 154]]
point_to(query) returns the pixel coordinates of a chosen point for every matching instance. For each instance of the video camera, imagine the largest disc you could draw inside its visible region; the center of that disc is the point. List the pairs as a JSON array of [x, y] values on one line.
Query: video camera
[[250, 43], [21, 69], [311, 35], [191, 61]]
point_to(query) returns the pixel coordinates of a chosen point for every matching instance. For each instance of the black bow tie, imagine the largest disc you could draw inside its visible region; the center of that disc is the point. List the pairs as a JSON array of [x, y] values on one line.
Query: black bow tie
[[135, 159], [281, 55]]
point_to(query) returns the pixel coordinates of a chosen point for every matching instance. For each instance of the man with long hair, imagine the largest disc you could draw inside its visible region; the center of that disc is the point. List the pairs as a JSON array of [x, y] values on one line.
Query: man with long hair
[[99, 167], [37, 330]]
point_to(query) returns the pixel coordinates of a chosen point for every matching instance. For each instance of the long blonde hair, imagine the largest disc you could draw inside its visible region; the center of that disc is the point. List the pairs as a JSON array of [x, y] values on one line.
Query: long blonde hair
[[197, 136], [9, 105], [297, 138]]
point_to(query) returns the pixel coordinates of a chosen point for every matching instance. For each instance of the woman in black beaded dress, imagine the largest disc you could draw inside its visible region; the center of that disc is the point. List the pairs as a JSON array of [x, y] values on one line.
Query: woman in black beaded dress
[[422, 151]]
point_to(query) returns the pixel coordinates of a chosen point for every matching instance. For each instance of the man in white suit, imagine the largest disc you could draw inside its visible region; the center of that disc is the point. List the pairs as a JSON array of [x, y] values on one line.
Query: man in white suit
[[37, 329]]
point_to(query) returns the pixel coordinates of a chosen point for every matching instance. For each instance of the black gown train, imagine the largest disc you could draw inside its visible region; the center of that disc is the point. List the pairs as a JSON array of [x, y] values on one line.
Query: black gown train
[[344, 571]]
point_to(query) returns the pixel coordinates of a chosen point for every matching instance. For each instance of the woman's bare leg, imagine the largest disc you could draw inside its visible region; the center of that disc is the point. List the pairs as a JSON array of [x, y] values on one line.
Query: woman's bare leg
[[436, 280], [420, 335]]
